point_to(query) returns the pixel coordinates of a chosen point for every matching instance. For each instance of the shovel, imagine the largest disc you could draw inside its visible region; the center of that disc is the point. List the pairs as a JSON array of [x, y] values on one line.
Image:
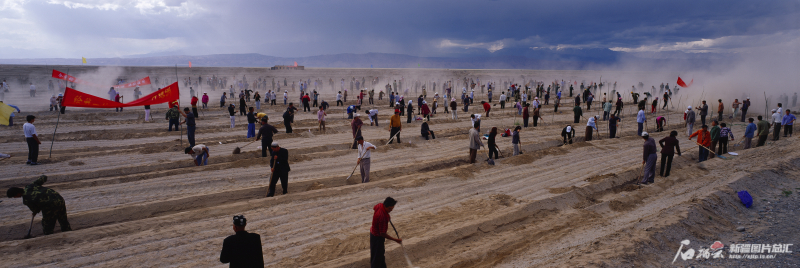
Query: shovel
[[408, 260], [30, 228], [238, 150]]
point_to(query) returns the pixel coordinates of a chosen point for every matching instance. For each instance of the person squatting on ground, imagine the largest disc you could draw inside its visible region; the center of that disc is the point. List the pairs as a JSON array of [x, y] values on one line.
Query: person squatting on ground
[[378, 233], [364, 155], [279, 166], [426, 132], [199, 153], [475, 142], [669, 146], [242, 249], [649, 158], [48, 201], [265, 134]]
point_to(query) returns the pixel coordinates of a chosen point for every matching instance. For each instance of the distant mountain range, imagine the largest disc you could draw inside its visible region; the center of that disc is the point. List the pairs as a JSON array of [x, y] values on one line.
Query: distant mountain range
[[574, 61]]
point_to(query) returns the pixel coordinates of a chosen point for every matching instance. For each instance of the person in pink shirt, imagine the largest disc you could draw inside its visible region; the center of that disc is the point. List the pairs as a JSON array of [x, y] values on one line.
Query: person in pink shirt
[[205, 100]]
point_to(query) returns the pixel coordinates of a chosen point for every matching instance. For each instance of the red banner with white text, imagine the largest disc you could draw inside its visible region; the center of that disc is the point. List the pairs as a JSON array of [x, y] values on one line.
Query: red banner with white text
[[63, 76], [141, 82], [74, 98]]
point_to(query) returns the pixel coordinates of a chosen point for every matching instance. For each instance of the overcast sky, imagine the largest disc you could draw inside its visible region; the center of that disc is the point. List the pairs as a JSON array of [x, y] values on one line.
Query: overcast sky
[[118, 28]]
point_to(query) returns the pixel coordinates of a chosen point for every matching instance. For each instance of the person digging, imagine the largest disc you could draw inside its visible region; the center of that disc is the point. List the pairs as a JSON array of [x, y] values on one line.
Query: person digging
[[378, 233], [48, 201]]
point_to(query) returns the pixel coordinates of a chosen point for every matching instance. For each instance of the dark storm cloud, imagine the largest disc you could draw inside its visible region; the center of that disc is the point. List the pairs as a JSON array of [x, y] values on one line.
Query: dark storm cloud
[[95, 28]]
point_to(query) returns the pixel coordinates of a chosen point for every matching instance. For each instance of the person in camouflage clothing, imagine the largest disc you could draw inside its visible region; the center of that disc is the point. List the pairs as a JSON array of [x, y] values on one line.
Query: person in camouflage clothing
[[46, 200]]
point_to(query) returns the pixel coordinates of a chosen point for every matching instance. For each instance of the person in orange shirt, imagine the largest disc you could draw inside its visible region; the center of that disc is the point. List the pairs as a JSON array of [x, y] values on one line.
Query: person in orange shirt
[[704, 139]]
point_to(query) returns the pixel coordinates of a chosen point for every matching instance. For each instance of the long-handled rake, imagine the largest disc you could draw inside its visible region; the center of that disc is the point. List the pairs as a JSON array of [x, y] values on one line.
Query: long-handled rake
[[408, 260]]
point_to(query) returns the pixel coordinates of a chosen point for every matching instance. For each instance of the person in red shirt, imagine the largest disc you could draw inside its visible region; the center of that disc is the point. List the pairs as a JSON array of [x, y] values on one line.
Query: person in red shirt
[[194, 105], [486, 107], [378, 232], [703, 139]]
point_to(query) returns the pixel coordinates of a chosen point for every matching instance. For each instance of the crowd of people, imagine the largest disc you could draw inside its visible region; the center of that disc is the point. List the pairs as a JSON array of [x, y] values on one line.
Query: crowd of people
[[527, 101]]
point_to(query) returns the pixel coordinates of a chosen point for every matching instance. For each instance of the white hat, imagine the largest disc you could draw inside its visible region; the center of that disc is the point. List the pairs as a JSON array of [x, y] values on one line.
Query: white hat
[[644, 133], [424, 102], [357, 115], [205, 92], [773, 110], [690, 107], [275, 144]]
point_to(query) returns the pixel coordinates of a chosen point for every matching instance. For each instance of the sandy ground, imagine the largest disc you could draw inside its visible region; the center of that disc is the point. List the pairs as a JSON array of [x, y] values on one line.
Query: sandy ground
[[135, 200]]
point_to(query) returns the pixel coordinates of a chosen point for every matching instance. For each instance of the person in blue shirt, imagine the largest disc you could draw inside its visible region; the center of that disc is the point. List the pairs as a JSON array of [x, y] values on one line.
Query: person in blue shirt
[[350, 110], [787, 122], [749, 133], [640, 120]]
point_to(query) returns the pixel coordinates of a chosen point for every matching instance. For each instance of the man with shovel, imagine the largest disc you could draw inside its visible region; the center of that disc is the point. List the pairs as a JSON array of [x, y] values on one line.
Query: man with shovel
[[46, 200], [266, 132], [378, 233]]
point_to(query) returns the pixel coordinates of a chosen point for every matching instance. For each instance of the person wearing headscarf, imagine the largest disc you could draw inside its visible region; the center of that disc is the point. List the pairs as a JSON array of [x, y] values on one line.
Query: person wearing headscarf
[[409, 111], [590, 127], [568, 133], [426, 112]]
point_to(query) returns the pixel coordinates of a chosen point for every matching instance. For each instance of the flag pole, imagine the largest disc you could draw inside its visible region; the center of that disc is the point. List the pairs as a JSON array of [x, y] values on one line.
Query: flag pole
[[179, 99], [57, 121]]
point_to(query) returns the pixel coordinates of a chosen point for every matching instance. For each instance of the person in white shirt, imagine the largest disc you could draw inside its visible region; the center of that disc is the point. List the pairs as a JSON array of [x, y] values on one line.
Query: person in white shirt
[[502, 100], [339, 99], [33, 90], [199, 153], [364, 157], [32, 139], [475, 118], [373, 117], [777, 119], [285, 97]]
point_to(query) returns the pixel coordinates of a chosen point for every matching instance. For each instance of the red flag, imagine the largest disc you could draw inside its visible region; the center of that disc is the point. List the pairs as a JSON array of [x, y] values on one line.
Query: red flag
[[190, 64], [295, 64], [63, 76], [683, 84], [74, 98], [140, 82]]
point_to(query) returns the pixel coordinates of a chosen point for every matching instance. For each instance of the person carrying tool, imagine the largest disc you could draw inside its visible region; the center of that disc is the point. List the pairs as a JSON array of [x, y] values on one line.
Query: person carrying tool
[[640, 120], [199, 153], [266, 131], [190, 125], [378, 232], [355, 125], [251, 122], [515, 139], [475, 142], [703, 139], [568, 133], [660, 122], [242, 249], [279, 166], [649, 158], [363, 157], [613, 123], [763, 131], [394, 124], [48, 201]]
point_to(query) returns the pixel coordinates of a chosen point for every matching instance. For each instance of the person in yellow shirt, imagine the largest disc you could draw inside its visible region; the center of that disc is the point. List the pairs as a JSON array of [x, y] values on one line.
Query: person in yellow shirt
[[394, 123]]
